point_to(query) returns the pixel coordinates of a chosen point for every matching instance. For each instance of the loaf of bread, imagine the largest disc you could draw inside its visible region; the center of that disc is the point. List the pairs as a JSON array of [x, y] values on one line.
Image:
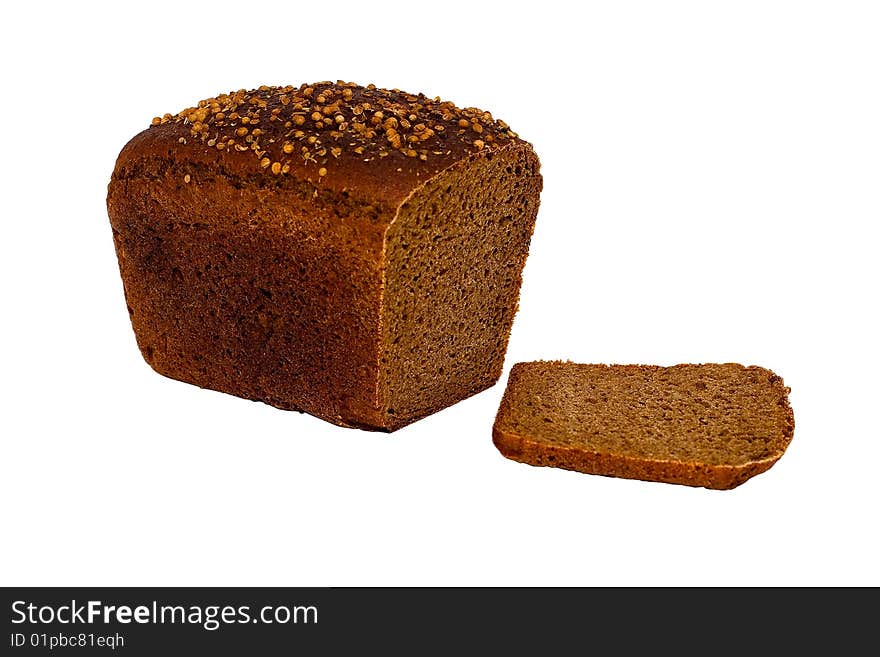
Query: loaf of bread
[[710, 425], [351, 252]]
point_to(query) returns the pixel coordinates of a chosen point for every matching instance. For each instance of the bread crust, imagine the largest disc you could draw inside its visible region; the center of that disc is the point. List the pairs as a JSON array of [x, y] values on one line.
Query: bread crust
[[720, 477], [366, 165]]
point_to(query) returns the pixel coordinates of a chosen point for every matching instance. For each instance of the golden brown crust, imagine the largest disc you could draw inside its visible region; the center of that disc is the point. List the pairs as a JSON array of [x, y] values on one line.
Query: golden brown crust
[[581, 454]]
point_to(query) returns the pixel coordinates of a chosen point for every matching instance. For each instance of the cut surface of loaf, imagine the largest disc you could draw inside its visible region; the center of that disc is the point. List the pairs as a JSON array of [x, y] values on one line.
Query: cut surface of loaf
[[708, 425], [351, 252]]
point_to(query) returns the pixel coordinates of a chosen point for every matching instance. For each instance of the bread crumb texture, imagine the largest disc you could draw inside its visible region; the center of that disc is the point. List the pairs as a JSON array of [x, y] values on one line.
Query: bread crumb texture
[[709, 425], [319, 122]]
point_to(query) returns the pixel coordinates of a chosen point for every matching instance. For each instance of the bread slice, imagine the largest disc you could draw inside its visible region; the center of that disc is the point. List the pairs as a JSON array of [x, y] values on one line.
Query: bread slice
[[709, 425]]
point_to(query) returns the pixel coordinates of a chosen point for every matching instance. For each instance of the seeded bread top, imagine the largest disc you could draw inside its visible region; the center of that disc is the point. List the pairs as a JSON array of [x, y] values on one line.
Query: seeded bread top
[[336, 135]]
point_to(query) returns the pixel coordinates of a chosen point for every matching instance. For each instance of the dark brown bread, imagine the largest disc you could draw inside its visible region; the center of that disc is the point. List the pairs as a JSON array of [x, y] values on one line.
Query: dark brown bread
[[351, 252], [710, 425]]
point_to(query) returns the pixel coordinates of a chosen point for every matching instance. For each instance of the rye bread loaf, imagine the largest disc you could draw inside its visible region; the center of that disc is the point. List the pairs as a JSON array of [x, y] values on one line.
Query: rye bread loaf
[[709, 425], [351, 252]]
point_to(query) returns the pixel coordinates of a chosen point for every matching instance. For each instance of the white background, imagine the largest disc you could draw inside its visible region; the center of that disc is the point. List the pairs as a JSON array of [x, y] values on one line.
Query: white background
[[712, 193]]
